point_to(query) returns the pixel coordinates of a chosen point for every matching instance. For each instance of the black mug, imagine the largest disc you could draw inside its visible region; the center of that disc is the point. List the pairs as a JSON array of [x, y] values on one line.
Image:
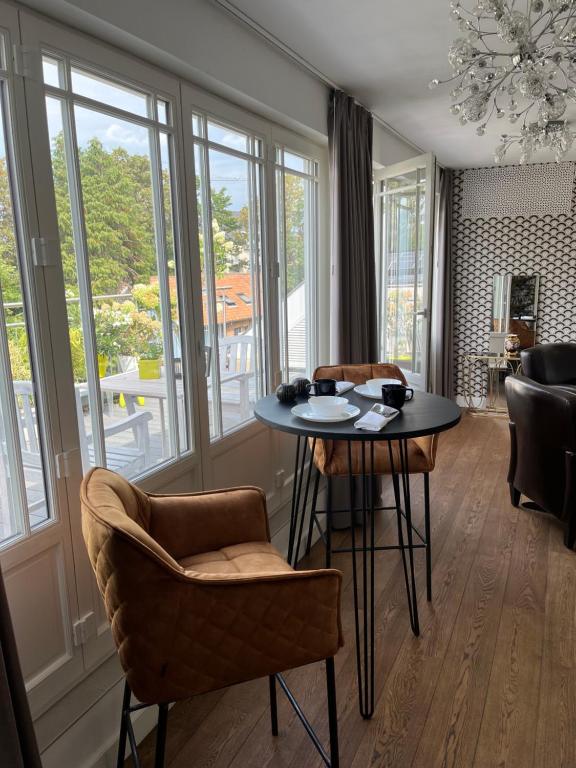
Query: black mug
[[395, 395], [322, 387]]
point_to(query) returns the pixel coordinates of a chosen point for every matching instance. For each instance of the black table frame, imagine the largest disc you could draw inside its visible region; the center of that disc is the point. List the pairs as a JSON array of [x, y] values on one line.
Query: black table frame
[[303, 484], [304, 468]]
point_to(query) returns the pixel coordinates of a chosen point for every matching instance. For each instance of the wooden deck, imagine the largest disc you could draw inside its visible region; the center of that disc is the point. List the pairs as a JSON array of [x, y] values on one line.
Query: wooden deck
[[490, 683]]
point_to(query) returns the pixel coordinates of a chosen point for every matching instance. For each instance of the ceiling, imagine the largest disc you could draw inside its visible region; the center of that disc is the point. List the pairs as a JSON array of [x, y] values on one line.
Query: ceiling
[[385, 52]]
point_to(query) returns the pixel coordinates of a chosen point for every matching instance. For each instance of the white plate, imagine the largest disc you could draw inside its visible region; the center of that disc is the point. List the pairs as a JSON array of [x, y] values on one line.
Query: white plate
[[363, 389], [304, 411]]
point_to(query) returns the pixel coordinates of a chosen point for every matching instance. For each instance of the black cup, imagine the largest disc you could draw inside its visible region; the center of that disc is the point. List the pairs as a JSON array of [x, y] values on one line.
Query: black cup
[[395, 395], [323, 387]]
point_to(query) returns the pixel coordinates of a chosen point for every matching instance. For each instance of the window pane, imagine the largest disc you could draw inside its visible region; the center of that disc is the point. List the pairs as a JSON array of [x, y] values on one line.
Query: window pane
[[52, 71], [227, 137], [403, 240], [119, 265], [295, 162], [22, 483], [178, 351], [297, 225], [231, 271], [163, 110], [115, 95]]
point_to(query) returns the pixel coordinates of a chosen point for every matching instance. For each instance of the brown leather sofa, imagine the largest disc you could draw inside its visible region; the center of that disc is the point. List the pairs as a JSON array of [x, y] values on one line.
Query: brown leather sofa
[[553, 364], [198, 598], [543, 448]]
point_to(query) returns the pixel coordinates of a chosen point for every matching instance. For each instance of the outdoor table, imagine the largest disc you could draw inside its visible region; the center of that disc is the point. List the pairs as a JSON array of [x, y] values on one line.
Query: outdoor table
[[425, 414]]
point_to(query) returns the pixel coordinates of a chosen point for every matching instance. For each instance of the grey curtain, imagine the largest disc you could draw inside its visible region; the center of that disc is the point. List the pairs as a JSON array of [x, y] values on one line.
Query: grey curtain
[[18, 748], [353, 333], [441, 342]]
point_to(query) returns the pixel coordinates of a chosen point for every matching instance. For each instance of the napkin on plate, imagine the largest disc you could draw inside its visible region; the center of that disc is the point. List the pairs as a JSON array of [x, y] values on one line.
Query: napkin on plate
[[344, 386], [374, 422]]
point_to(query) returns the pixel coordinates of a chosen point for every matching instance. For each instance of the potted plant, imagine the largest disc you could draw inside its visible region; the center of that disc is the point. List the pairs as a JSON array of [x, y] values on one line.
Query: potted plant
[[111, 322], [150, 360]]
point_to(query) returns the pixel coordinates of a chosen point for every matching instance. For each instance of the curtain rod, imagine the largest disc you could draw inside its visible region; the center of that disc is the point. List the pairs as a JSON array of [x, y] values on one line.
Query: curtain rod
[[270, 38]]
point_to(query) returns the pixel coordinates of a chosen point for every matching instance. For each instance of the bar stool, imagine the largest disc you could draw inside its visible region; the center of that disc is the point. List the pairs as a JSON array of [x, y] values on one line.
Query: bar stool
[[331, 460]]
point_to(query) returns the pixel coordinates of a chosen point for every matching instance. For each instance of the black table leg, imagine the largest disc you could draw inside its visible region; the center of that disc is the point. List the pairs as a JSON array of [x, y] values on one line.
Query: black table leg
[[365, 639], [411, 590]]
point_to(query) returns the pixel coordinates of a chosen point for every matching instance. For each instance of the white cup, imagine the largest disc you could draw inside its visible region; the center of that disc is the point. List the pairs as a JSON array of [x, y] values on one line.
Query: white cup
[[375, 385], [327, 405]]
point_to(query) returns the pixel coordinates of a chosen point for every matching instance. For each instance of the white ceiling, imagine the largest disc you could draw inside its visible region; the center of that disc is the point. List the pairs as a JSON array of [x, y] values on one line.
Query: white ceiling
[[385, 52]]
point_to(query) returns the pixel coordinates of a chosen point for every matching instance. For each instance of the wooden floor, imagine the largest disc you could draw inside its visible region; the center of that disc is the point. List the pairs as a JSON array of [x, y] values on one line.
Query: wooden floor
[[491, 681]]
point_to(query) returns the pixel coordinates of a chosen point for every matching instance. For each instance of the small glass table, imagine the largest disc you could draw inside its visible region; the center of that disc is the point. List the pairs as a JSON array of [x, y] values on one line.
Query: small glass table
[[487, 371]]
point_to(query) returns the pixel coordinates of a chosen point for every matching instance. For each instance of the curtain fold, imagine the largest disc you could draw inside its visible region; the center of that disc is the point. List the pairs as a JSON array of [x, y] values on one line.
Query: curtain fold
[[353, 326], [441, 340], [18, 748]]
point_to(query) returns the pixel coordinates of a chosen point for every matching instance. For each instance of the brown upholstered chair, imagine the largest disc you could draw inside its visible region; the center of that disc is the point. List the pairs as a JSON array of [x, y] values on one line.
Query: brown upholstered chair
[[331, 456], [198, 598]]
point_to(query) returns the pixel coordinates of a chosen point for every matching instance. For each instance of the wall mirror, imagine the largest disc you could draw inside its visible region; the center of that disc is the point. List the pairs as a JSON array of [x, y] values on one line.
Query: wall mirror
[[514, 309]]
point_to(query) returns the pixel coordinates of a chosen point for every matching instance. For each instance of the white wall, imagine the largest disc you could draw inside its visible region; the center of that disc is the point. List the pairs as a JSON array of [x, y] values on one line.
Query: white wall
[[389, 148]]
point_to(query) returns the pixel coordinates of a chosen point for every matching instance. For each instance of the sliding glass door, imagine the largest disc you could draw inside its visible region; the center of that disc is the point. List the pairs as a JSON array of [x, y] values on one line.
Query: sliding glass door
[[111, 149], [403, 206]]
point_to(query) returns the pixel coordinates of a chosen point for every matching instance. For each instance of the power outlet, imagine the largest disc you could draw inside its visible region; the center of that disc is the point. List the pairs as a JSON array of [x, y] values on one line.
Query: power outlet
[[280, 479]]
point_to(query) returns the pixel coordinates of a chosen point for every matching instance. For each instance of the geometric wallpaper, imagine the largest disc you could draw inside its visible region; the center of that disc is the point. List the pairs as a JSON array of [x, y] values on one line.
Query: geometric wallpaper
[[537, 244], [517, 190]]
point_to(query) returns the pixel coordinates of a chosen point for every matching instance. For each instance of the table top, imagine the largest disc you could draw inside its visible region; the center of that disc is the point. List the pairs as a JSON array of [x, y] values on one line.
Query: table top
[[130, 383], [425, 414]]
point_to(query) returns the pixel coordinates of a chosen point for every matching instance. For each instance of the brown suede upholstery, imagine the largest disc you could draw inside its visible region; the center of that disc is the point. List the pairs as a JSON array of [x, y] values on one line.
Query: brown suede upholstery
[[197, 597], [331, 456]]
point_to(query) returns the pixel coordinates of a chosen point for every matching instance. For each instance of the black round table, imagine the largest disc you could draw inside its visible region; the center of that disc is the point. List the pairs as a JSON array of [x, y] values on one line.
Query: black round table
[[425, 414]]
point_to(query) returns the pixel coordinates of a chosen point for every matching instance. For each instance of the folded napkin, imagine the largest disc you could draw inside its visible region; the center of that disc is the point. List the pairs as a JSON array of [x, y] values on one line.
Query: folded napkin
[[374, 422], [344, 386]]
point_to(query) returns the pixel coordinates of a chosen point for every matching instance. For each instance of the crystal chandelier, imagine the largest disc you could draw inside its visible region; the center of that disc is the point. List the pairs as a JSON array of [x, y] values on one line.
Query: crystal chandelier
[[516, 64]]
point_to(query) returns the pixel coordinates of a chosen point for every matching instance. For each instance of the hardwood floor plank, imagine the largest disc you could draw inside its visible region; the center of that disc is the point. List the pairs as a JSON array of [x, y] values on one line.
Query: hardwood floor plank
[[508, 731], [556, 738]]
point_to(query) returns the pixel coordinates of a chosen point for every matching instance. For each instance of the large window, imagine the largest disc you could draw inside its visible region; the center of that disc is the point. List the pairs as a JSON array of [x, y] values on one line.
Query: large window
[[23, 497], [112, 163], [229, 168], [297, 243]]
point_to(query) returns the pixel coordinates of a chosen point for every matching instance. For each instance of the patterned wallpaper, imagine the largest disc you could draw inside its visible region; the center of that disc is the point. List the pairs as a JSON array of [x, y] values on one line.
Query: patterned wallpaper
[[497, 240]]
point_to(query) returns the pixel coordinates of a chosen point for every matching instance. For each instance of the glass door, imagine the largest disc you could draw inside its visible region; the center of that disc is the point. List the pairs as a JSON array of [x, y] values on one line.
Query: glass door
[[403, 206]]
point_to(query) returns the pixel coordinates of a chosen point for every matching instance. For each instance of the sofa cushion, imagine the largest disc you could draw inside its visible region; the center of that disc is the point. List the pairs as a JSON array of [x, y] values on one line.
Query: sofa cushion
[[256, 557]]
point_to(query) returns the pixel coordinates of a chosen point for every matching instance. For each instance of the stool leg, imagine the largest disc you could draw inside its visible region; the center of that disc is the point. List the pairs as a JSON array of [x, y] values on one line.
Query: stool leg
[[332, 713], [329, 522], [161, 735], [313, 512], [273, 704], [428, 536], [123, 726]]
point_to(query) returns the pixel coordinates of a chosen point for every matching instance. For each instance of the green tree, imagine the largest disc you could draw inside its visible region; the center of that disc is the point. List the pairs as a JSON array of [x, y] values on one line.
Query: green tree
[[118, 212], [9, 276], [295, 226]]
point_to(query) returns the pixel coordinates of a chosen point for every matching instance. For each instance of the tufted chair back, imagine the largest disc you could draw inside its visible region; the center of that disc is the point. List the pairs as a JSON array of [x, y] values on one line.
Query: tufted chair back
[[360, 374]]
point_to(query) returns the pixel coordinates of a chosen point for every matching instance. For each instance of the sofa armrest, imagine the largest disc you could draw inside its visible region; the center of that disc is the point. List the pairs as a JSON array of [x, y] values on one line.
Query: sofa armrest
[[188, 524]]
